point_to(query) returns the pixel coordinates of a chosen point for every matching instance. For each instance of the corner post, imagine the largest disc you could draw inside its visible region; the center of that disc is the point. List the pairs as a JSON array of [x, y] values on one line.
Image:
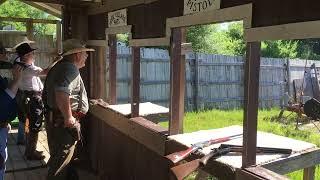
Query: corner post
[[177, 82], [251, 103]]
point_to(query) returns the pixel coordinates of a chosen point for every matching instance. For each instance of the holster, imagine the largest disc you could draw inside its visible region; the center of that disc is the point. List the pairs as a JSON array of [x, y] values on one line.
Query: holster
[[75, 131]]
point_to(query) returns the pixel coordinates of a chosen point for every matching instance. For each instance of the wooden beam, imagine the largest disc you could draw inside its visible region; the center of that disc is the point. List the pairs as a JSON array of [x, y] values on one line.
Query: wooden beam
[[150, 42], [119, 30], [243, 12], [135, 82], [308, 173], [111, 5], [29, 27], [46, 8], [48, 1], [112, 41], [13, 19], [303, 30], [251, 96], [101, 72], [59, 37], [305, 159], [258, 173], [102, 43], [177, 82]]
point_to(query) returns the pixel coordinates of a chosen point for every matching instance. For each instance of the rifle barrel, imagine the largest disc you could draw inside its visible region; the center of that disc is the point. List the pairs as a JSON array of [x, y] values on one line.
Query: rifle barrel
[[237, 148]]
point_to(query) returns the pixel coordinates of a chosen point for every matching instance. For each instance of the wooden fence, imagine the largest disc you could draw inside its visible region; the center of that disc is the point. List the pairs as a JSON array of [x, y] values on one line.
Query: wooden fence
[[212, 81]]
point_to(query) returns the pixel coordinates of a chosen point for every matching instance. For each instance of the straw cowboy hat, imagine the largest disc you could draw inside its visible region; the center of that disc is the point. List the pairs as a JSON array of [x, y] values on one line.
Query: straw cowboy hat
[[24, 40], [20, 42], [72, 46]]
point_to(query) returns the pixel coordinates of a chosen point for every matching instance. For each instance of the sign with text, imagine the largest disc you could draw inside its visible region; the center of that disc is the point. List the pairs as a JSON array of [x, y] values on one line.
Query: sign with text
[[196, 6], [117, 18]]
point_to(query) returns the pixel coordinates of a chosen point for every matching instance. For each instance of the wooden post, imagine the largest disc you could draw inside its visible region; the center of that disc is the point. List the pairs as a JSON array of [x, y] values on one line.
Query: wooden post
[[29, 27], [112, 40], [289, 77], [67, 24], [101, 72], [59, 37], [308, 173], [251, 103], [177, 82], [196, 82], [135, 82]]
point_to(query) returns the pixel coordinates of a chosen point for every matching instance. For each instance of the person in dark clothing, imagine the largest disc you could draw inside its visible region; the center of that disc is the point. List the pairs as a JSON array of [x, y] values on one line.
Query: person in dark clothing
[[8, 107]]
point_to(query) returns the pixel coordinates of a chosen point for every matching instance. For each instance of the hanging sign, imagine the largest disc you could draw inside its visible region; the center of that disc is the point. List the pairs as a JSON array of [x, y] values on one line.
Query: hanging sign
[[117, 18], [196, 6]]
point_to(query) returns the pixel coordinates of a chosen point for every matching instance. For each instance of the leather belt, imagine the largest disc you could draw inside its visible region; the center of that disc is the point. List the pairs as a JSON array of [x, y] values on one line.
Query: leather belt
[[30, 93], [56, 114]]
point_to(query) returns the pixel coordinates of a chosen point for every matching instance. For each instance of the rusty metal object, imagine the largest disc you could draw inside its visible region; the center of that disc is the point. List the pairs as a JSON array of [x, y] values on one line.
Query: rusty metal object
[[312, 109]]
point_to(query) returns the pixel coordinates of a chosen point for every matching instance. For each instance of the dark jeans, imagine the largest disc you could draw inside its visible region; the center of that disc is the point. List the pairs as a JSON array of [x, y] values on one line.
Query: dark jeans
[[30, 106], [61, 146]]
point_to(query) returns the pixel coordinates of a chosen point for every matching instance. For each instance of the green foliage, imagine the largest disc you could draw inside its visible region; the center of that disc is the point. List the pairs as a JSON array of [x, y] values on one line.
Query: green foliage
[[229, 41], [123, 38], [15, 8], [280, 49], [200, 38]]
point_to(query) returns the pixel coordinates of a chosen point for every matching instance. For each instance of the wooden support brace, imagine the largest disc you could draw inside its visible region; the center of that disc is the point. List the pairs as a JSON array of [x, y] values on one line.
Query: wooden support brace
[[258, 173], [29, 27], [59, 37], [112, 38], [308, 173], [135, 85], [251, 103], [177, 82]]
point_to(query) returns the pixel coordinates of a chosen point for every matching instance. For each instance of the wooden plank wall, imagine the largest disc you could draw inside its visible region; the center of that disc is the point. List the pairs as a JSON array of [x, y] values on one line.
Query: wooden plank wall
[[220, 79], [115, 154]]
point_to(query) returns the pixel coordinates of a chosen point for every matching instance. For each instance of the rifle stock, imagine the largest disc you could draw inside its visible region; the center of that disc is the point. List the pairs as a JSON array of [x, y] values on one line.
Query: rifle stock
[[183, 170], [179, 156]]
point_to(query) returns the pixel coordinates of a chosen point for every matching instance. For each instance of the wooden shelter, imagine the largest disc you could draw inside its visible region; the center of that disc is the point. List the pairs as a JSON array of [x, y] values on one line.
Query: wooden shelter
[[133, 148]]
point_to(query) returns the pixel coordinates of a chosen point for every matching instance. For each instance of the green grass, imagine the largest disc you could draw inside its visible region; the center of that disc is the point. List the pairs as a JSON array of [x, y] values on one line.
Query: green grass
[[266, 122]]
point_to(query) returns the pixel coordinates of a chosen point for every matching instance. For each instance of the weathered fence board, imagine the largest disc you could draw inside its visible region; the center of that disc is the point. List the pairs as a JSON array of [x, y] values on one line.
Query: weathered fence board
[[213, 81]]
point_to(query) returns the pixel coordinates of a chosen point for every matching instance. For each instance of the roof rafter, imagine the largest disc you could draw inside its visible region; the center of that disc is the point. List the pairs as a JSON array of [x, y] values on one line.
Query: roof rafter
[[54, 10]]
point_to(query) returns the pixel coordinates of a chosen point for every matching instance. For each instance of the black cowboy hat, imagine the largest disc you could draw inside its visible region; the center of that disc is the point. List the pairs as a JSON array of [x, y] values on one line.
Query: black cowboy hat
[[24, 49]]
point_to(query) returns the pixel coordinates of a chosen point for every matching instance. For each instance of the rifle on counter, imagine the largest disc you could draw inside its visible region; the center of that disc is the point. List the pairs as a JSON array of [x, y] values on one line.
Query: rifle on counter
[[181, 171], [181, 155]]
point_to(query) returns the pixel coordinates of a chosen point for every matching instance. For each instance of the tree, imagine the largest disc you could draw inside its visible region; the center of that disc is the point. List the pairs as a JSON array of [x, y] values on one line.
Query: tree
[[14, 8], [229, 41], [200, 38]]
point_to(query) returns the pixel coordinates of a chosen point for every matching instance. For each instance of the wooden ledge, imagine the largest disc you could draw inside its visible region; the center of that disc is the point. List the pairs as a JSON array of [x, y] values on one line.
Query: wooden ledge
[[305, 159], [139, 129], [258, 173]]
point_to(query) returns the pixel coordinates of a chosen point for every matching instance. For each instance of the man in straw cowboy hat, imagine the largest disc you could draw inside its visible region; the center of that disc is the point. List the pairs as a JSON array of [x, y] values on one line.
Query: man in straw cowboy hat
[[8, 107], [66, 100], [30, 98]]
